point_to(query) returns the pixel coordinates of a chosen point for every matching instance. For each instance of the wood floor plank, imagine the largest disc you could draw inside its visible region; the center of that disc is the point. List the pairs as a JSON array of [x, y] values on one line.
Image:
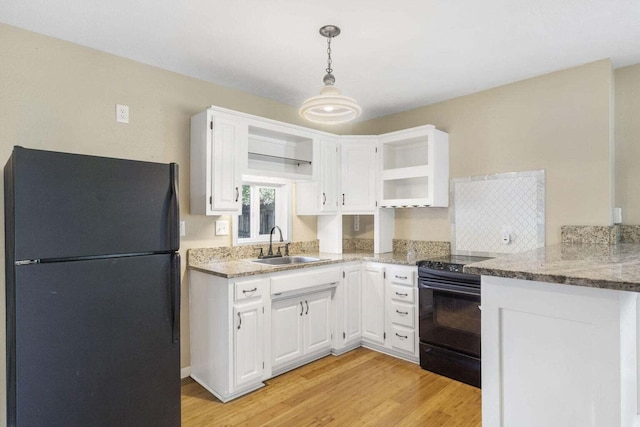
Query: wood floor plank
[[359, 388]]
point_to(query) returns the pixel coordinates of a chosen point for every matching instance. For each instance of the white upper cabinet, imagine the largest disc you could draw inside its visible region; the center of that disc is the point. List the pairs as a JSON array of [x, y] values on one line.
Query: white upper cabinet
[[358, 193], [336, 174], [414, 168], [320, 197], [215, 164]]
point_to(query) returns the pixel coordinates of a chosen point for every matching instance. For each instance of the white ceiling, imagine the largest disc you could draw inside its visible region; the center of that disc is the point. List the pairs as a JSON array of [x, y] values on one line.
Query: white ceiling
[[391, 56]]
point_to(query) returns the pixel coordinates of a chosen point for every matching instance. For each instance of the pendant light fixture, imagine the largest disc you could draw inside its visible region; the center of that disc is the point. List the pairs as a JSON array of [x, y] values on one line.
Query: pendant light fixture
[[330, 107]]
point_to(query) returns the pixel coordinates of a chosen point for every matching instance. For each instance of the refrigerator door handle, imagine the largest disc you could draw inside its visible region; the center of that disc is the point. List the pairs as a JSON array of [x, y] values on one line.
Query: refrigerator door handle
[[174, 208], [175, 297]]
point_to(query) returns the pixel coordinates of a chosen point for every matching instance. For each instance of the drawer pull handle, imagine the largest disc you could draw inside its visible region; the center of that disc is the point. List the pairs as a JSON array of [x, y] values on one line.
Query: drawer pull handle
[[240, 320], [301, 308], [401, 294], [402, 313], [307, 302], [402, 336], [401, 277], [324, 199], [245, 291]]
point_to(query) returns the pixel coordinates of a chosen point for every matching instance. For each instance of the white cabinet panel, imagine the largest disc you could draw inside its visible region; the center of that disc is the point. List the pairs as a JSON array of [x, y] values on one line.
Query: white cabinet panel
[[353, 303], [552, 355], [402, 314], [358, 176], [286, 330], [373, 303], [320, 197], [403, 339], [248, 345], [215, 164], [317, 328]]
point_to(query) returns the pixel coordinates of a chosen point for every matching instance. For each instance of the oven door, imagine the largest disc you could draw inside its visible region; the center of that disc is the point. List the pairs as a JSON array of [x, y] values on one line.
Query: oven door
[[450, 317]]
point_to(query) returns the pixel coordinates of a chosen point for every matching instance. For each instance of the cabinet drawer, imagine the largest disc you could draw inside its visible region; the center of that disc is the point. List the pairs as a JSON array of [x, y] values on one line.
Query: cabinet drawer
[[401, 276], [248, 289], [403, 314], [403, 339], [402, 293]]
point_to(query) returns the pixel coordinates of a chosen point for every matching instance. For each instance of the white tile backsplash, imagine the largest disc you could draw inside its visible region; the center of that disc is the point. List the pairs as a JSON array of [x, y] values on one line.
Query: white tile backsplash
[[485, 208]]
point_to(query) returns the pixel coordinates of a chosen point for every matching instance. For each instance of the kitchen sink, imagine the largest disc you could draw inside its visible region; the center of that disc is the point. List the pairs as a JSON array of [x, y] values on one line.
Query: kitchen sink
[[287, 260]]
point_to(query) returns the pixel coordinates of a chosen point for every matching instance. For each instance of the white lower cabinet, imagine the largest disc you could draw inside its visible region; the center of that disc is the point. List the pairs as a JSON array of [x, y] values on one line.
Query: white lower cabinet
[[226, 333], [389, 310], [300, 329], [246, 330], [557, 355]]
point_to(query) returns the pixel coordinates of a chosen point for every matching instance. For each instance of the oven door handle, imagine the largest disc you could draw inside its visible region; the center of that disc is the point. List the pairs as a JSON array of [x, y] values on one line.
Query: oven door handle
[[452, 290]]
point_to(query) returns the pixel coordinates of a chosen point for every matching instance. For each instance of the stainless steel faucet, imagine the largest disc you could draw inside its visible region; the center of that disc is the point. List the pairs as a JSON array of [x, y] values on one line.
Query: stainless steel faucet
[[270, 252]]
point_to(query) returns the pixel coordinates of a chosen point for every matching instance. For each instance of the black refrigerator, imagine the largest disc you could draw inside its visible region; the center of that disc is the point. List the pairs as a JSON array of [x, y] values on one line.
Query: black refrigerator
[[92, 291]]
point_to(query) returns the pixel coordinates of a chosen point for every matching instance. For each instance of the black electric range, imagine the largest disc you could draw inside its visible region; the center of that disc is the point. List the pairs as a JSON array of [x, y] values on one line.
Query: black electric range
[[449, 318]]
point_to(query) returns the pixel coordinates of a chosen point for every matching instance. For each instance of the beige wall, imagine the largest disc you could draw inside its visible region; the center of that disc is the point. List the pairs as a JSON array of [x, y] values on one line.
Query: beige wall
[[627, 95], [559, 122]]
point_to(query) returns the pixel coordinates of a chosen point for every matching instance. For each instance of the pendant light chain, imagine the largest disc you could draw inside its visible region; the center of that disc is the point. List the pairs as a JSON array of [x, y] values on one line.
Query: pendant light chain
[[329, 70], [330, 107]]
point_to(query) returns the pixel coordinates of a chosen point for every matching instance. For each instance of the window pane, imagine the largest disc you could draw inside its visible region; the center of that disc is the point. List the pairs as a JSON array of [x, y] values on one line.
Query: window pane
[[244, 221], [267, 209]]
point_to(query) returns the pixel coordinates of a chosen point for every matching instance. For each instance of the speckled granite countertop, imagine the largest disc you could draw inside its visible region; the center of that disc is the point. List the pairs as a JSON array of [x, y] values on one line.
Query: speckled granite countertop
[[614, 267], [245, 267]]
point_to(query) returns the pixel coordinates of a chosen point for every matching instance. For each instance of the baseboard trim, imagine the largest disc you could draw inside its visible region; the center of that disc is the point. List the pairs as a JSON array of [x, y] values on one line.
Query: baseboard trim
[[185, 372]]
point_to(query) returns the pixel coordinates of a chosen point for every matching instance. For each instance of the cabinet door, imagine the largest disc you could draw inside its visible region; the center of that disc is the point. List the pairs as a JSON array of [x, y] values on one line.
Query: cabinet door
[[247, 338], [317, 323], [286, 330], [358, 176], [321, 196], [353, 303], [373, 306], [329, 176], [225, 178]]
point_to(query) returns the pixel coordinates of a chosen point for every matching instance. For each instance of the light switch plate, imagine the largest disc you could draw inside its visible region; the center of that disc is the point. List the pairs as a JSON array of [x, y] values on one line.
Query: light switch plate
[[222, 228], [183, 228]]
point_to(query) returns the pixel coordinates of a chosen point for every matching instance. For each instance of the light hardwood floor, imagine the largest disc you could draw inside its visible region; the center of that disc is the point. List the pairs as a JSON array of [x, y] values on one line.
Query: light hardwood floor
[[361, 387]]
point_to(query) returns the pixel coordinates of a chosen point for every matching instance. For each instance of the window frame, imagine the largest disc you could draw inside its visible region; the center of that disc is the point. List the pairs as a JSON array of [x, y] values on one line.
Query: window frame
[[283, 210]]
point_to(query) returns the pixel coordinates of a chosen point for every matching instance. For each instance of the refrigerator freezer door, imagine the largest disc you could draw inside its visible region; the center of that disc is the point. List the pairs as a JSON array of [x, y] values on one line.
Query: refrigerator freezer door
[[70, 205], [93, 343]]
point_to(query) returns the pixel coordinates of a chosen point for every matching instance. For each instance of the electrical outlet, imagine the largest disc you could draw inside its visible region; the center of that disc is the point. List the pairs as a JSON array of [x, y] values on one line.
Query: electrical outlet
[[183, 229], [122, 113], [222, 228]]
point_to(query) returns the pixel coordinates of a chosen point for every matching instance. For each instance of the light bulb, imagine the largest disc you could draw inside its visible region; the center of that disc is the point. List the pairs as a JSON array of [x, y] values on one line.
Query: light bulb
[[328, 108]]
